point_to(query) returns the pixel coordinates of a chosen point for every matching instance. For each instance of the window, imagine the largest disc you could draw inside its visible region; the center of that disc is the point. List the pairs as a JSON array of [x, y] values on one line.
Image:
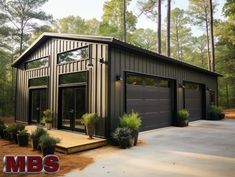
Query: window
[[41, 81], [192, 86], [74, 55], [164, 83], [147, 80], [134, 79], [39, 63], [80, 77]]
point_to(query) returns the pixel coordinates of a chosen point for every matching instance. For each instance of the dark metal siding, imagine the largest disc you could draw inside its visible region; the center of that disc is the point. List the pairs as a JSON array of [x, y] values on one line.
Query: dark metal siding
[[98, 80], [125, 60]]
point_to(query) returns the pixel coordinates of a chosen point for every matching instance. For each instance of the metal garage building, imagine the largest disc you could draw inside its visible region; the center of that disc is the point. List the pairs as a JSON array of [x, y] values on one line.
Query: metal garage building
[[74, 74]]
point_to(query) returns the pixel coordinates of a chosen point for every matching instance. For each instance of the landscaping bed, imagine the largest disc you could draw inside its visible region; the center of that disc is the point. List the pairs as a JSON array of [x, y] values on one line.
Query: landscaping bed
[[229, 113], [67, 162]]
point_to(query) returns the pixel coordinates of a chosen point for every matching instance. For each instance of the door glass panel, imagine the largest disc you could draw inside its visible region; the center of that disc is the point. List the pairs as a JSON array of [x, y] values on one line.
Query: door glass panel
[[39, 103], [67, 106], [80, 106], [43, 102], [35, 109]]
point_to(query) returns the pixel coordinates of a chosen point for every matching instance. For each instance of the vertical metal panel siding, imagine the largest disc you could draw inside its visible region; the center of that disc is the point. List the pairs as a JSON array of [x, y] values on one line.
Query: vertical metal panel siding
[[98, 78], [123, 60]]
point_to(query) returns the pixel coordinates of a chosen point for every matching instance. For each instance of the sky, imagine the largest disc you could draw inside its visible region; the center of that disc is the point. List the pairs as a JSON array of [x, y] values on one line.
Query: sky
[[88, 9]]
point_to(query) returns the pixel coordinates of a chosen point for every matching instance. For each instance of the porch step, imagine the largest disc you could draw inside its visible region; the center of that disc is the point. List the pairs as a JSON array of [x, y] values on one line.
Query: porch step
[[80, 147], [71, 142]]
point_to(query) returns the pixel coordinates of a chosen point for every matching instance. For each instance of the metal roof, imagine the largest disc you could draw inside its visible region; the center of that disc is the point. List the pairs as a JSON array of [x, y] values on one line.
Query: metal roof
[[108, 40]]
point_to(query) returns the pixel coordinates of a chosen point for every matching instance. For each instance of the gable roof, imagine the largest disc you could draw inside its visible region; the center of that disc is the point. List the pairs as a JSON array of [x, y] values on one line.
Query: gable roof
[[106, 40]]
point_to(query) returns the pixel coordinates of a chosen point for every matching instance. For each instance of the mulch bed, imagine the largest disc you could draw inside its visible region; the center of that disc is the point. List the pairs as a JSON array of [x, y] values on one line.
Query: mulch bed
[[229, 113], [67, 162]]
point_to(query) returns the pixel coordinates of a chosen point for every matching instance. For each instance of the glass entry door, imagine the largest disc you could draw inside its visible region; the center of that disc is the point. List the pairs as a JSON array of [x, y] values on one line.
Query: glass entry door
[[38, 104], [72, 107]]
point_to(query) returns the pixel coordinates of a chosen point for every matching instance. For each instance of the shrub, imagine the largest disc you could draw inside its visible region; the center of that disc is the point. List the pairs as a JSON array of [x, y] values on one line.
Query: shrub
[[47, 141], [23, 132], [216, 109], [15, 128], [183, 114], [121, 132], [131, 121], [38, 133], [2, 127], [89, 118], [47, 118]]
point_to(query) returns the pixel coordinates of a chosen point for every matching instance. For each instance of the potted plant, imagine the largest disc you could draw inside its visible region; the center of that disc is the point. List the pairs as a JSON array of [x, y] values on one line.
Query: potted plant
[[48, 144], [2, 127], [23, 138], [183, 115], [133, 122], [47, 119], [12, 130], [89, 120], [123, 136], [215, 113], [35, 136]]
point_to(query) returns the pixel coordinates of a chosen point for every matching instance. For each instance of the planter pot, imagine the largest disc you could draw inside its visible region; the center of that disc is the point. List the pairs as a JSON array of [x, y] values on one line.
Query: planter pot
[[1, 134], [23, 140], [125, 142], [48, 150], [213, 116], [135, 135], [131, 141], [221, 115], [183, 123], [48, 126], [90, 130]]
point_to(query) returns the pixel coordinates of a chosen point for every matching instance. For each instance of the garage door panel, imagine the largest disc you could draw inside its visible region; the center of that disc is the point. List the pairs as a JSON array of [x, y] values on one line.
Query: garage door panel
[[135, 92], [156, 93], [150, 119], [153, 103], [135, 105], [193, 102]]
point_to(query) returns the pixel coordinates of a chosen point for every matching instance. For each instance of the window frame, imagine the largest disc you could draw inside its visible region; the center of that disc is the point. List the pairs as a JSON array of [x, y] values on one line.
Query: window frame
[[38, 86], [73, 84], [33, 60], [78, 48], [143, 76]]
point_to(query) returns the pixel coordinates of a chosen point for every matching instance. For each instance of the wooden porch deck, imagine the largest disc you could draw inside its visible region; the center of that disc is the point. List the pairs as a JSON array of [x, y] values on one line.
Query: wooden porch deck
[[72, 142]]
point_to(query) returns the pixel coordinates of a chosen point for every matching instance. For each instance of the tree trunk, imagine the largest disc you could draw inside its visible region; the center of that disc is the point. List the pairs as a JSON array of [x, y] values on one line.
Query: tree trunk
[[124, 20], [168, 50], [177, 40], [159, 38], [212, 37], [208, 41], [21, 36]]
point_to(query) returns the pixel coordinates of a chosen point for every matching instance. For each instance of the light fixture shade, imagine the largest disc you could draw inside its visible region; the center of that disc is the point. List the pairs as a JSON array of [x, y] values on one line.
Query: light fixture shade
[[119, 78], [181, 85], [102, 61]]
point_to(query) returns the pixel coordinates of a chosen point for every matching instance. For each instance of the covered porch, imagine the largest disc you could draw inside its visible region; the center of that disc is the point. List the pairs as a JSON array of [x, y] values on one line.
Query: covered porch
[[72, 142]]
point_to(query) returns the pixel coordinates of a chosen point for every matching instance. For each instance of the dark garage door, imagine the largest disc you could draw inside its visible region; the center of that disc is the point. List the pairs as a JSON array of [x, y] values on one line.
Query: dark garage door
[[151, 98], [193, 100]]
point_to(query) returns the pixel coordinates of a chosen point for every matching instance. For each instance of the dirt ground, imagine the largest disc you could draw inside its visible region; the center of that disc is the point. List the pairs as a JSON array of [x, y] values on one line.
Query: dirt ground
[[229, 113], [67, 162]]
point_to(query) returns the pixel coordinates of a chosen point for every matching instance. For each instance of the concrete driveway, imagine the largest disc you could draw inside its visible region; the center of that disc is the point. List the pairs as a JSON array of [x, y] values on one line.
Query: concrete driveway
[[204, 149]]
